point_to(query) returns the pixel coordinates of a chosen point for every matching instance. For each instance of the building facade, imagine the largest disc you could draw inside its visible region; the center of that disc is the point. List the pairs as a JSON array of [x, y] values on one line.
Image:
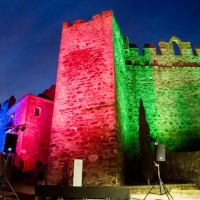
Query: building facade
[[30, 118], [101, 79]]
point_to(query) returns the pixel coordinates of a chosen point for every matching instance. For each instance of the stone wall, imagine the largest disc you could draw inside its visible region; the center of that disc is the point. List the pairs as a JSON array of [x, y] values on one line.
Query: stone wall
[[181, 167], [169, 86], [33, 142], [100, 81], [38, 130], [84, 117], [120, 94], [4, 119], [177, 100]]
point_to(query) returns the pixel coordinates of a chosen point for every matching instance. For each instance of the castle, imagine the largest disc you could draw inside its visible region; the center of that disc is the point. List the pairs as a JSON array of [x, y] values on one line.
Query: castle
[[94, 116]]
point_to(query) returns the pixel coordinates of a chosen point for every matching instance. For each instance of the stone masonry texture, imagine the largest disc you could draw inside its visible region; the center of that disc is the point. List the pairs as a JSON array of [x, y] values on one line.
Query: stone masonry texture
[[84, 117], [168, 85], [101, 79], [33, 142]]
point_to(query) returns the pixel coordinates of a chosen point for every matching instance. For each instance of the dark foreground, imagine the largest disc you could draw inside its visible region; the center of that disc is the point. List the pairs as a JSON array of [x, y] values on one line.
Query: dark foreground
[[24, 188]]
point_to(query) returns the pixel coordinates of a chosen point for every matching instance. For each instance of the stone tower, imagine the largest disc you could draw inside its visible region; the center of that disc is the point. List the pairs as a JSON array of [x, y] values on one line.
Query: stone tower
[[84, 123]]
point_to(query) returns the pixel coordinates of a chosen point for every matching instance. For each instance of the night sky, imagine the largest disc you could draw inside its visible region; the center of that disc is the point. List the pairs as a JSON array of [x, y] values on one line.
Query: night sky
[[30, 33]]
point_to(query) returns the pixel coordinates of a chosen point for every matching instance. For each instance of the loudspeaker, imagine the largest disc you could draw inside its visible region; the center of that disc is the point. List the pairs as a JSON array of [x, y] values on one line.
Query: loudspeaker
[[10, 143], [160, 152]]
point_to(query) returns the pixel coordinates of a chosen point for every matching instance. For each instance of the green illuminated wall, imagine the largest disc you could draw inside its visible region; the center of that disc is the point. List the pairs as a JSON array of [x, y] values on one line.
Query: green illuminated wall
[[169, 86], [177, 92], [132, 83], [140, 85], [120, 86]]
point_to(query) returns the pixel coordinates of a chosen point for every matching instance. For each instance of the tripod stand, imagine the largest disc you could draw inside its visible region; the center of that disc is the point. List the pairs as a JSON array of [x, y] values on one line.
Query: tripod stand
[[163, 189], [3, 177]]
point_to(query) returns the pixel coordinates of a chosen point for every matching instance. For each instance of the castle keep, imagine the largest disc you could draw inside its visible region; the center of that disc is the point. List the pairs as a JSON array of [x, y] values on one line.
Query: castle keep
[[100, 81], [84, 116]]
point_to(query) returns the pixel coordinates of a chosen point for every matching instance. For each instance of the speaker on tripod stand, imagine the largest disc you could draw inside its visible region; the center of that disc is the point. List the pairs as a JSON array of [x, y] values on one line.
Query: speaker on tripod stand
[[159, 157], [9, 147]]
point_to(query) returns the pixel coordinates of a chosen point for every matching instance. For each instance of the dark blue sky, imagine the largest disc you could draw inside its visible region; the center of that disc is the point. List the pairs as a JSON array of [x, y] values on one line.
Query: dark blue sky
[[30, 32]]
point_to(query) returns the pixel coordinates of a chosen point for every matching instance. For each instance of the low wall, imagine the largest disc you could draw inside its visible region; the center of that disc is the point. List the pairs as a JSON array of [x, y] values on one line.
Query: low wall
[[183, 167]]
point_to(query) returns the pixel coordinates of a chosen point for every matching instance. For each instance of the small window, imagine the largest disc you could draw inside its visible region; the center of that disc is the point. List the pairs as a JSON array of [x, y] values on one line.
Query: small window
[[37, 111]]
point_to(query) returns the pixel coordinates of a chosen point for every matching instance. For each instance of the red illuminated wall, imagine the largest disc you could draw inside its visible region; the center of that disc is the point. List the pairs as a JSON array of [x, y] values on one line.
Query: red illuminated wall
[[33, 142], [84, 118]]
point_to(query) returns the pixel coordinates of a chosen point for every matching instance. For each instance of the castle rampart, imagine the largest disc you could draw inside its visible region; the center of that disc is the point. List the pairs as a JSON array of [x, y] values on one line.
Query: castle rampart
[[168, 85], [167, 57], [101, 80]]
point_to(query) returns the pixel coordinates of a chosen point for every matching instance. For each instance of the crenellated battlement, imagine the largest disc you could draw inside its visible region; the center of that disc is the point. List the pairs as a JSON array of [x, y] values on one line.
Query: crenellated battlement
[[167, 47], [167, 56], [103, 15], [101, 80]]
